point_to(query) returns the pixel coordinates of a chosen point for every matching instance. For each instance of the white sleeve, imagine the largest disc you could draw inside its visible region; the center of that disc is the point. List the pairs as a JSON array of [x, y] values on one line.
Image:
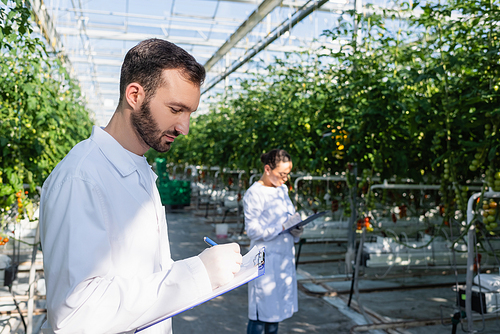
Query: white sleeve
[[82, 295], [291, 208], [256, 225]]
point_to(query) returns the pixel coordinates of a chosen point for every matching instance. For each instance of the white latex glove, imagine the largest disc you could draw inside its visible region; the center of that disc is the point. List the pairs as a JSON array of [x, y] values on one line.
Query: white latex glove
[[297, 231], [292, 220], [222, 263]]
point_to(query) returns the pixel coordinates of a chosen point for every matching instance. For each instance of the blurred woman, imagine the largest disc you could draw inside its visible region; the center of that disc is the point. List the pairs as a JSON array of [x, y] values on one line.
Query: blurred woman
[[273, 296]]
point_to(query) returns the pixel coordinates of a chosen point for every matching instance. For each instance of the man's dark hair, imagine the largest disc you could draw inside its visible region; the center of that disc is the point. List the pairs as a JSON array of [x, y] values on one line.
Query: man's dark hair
[[145, 62], [274, 157]]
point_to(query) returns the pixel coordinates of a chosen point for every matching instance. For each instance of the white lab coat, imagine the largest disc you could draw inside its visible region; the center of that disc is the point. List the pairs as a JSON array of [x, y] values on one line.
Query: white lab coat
[[273, 296], [105, 245]]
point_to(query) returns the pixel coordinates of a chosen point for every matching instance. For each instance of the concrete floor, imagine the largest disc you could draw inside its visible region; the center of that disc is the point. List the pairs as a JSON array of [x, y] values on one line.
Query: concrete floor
[[228, 313], [319, 313]]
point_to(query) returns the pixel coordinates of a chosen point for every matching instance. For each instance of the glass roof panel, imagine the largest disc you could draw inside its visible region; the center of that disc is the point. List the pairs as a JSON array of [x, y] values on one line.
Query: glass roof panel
[[97, 34]]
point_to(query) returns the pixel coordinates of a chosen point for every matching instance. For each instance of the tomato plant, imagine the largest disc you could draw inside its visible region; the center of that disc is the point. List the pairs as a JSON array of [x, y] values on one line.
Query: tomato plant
[[42, 113], [409, 97]]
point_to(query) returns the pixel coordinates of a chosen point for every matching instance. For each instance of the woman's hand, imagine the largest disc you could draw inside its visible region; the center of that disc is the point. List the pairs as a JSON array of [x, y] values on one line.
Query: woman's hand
[[292, 220], [297, 231]]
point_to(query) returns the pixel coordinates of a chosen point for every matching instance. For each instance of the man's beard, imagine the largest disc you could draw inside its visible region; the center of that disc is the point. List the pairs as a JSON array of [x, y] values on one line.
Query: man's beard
[[148, 129]]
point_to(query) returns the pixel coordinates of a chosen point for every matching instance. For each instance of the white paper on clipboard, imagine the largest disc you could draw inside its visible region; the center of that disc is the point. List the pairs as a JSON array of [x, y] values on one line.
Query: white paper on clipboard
[[253, 266]]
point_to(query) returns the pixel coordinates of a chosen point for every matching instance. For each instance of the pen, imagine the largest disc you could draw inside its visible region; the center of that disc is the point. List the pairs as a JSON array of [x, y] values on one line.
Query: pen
[[209, 241]]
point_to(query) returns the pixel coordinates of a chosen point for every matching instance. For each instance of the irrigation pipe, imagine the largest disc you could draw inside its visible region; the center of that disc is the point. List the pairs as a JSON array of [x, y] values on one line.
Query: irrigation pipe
[[386, 185], [311, 178]]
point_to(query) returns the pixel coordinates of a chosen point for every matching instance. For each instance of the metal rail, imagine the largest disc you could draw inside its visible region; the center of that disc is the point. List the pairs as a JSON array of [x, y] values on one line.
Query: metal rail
[[255, 18], [471, 234], [285, 26], [310, 178]]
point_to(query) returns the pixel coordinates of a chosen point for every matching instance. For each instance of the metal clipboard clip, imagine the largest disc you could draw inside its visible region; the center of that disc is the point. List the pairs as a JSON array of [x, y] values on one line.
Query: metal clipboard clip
[[260, 258]]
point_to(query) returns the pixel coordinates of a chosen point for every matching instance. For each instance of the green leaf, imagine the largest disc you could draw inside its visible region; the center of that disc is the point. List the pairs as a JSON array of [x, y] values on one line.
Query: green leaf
[[6, 189], [492, 153]]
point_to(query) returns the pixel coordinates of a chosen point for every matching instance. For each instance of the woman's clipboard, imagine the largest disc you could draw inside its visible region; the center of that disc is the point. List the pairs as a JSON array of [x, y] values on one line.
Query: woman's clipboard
[[304, 222]]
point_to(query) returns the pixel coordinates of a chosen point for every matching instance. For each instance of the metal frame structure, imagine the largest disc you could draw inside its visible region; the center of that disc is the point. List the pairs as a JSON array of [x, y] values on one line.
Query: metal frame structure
[[94, 37]]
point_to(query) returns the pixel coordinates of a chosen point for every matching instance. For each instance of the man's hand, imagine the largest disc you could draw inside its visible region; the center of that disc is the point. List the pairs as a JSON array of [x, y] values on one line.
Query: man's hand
[[297, 231], [222, 263], [292, 220]]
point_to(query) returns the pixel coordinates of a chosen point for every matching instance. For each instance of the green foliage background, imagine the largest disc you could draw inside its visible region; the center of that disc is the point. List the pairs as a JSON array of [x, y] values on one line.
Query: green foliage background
[[412, 93], [42, 114], [410, 97]]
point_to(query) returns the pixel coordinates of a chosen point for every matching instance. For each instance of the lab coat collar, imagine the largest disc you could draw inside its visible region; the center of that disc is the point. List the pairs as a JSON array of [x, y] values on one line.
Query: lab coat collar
[[113, 151]]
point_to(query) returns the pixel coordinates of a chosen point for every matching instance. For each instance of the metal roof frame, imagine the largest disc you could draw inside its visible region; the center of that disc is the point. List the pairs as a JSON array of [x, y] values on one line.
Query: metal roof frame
[[303, 12], [89, 37]]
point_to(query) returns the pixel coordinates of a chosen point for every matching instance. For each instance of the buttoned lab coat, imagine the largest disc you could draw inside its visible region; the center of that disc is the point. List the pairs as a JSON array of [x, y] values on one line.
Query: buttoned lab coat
[[273, 296], [105, 246]]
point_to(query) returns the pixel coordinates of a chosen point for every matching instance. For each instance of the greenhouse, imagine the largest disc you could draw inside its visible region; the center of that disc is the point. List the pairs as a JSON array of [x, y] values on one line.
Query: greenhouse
[[340, 158]]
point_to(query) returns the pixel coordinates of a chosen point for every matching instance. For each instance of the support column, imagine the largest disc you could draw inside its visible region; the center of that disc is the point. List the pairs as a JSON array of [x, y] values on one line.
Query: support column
[[350, 255]]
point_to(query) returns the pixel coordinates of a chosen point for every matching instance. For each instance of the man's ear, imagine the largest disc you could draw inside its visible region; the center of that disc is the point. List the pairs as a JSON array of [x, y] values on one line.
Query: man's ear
[[134, 95]]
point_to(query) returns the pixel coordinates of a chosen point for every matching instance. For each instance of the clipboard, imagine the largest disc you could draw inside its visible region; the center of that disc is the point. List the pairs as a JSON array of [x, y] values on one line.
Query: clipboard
[[253, 266], [305, 221]]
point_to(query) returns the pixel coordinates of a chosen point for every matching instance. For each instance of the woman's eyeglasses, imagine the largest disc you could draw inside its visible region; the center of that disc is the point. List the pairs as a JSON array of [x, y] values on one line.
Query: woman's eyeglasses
[[283, 175]]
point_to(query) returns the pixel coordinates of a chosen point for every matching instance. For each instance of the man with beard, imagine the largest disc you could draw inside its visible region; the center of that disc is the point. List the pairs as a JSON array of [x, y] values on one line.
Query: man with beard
[[103, 230]]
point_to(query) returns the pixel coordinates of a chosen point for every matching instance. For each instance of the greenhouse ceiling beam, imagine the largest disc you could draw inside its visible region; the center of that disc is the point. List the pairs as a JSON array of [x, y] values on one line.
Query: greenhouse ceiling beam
[[98, 61], [113, 80], [48, 30], [85, 40], [332, 5], [286, 25], [115, 62], [120, 36], [114, 27], [253, 20], [188, 19], [111, 92], [137, 37], [111, 59], [116, 58]]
